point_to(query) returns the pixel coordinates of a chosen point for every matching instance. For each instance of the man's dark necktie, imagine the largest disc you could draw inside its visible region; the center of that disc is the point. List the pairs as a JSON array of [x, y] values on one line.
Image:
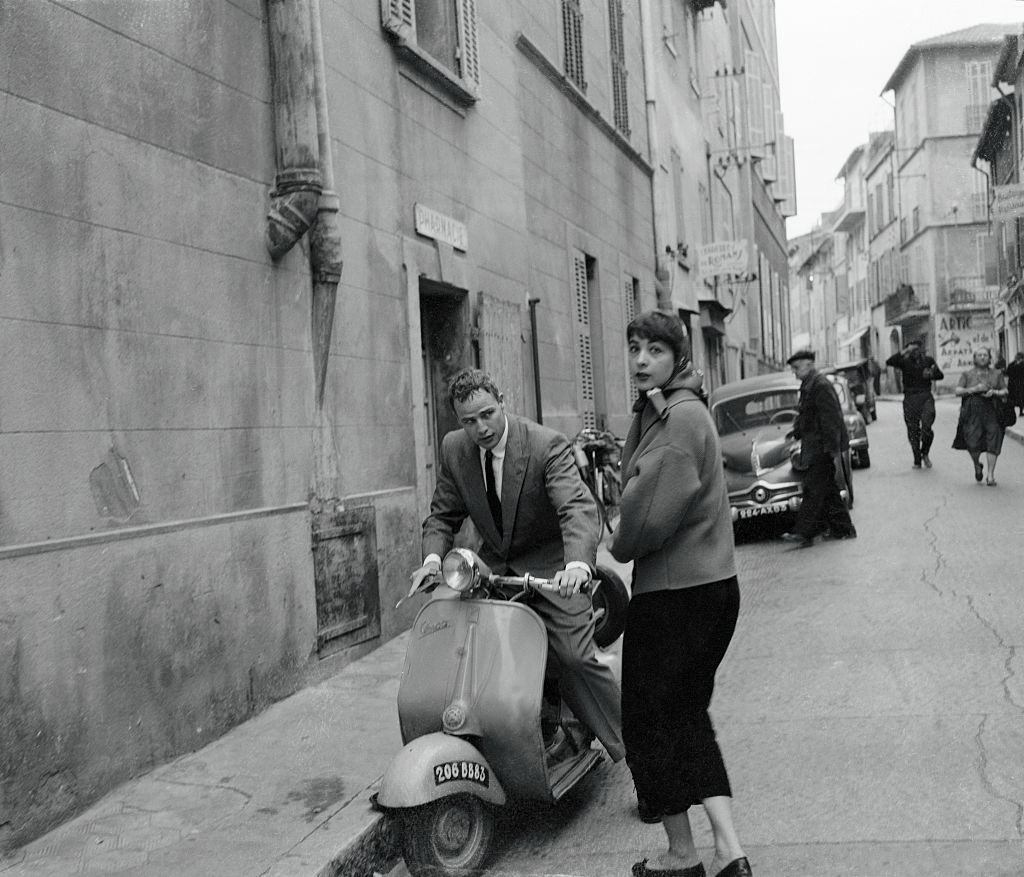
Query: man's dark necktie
[[492, 491]]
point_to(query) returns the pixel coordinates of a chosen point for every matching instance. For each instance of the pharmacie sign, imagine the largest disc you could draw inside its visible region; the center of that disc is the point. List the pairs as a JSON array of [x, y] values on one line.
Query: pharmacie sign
[[432, 224], [1008, 202], [722, 257], [957, 336]]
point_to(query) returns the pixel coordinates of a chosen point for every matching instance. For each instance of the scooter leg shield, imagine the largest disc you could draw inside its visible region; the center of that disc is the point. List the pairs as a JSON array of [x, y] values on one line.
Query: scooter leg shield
[[434, 766]]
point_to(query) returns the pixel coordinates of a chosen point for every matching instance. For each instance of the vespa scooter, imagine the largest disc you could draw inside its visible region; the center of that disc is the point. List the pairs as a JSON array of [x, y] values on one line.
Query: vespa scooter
[[469, 706]]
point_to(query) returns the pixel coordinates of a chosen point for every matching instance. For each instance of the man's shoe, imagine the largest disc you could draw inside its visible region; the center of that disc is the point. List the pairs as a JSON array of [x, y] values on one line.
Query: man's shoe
[[926, 461], [800, 541], [917, 464], [640, 869]]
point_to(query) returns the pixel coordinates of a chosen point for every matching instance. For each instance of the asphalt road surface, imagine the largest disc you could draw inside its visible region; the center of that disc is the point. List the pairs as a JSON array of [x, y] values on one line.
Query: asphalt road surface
[[871, 706]]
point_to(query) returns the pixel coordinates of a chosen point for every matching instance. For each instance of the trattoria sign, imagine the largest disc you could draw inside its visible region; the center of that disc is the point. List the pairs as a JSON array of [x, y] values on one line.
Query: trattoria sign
[[1008, 202], [722, 257]]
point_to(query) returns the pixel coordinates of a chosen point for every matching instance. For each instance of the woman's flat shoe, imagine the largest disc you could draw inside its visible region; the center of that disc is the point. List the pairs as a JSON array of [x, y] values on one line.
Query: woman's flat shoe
[[991, 482], [736, 868], [640, 869]]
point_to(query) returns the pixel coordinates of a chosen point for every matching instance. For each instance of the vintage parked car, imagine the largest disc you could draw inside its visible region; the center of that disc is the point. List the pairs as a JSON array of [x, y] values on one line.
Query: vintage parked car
[[862, 386], [856, 426], [754, 417]]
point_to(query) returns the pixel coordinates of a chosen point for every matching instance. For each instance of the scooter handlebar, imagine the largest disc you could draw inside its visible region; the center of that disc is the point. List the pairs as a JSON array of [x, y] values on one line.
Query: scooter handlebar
[[533, 582]]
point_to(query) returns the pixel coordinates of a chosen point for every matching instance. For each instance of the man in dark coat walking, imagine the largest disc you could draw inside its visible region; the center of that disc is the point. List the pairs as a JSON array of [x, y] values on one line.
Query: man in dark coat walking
[[821, 430], [919, 370]]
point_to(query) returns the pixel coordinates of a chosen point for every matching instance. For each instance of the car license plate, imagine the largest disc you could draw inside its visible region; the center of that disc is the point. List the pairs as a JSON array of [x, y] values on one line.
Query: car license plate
[[770, 509]]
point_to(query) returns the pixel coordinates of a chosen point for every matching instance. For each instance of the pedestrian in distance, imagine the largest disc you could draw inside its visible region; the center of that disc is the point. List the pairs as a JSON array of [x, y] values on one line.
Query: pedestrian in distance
[[676, 528], [1015, 382], [519, 484], [978, 430], [875, 371], [919, 371], [822, 432]]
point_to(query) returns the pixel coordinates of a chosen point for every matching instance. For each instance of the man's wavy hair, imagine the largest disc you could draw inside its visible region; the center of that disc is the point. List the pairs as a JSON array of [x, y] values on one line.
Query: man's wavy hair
[[469, 381], [661, 326]]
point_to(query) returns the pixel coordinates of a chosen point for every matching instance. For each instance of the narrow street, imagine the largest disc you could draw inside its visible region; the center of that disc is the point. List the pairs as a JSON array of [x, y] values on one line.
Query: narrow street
[[870, 707]]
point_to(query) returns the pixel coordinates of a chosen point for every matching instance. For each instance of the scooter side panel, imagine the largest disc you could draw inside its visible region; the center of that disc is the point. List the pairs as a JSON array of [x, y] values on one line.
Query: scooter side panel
[[482, 660], [434, 766]]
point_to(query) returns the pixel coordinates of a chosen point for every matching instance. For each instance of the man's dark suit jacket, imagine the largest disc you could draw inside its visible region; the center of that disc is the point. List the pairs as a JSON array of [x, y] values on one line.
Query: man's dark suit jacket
[[548, 517], [820, 425]]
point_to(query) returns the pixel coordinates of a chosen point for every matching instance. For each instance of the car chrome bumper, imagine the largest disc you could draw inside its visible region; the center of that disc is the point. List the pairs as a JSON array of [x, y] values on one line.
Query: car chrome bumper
[[778, 499]]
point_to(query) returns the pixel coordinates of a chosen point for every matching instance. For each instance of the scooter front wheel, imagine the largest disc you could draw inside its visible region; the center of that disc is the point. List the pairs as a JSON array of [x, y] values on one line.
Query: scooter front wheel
[[449, 837]]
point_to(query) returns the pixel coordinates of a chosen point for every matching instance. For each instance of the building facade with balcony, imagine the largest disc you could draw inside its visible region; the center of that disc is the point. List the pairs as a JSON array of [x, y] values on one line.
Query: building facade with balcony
[[723, 172], [941, 90], [999, 157]]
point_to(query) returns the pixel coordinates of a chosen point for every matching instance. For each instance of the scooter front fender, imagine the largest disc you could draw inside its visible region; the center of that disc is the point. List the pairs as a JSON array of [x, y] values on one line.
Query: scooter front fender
[[434, 766]]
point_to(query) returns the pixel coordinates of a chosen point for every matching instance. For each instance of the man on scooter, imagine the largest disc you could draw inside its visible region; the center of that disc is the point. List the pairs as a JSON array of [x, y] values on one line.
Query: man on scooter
[[518, 483]]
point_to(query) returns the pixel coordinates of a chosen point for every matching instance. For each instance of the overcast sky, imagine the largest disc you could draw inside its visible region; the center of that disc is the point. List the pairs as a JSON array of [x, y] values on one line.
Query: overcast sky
[[834, 59]]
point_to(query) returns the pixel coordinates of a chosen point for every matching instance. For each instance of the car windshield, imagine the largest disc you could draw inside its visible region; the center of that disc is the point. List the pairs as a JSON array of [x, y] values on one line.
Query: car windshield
[[756, 410]]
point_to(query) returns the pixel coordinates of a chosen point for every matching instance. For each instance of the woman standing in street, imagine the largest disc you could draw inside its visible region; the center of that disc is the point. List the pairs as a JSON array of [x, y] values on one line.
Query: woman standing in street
[[676, 527], [978, 429]]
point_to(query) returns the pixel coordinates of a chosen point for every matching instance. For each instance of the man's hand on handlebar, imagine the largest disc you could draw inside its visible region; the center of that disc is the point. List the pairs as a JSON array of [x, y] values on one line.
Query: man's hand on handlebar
[[431, 569], [569, 581]]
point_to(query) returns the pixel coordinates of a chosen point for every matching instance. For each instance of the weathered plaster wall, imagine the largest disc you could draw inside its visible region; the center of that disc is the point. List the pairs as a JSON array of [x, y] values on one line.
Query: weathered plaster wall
[[157, 394]]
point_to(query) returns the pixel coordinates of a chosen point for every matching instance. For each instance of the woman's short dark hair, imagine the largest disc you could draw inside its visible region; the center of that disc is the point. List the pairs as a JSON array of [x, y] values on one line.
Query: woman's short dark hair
[[469, 381], [661, 326]]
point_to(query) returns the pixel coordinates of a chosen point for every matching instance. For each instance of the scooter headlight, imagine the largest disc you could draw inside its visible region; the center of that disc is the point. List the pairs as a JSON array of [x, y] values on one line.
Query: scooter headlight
[[459, 571]]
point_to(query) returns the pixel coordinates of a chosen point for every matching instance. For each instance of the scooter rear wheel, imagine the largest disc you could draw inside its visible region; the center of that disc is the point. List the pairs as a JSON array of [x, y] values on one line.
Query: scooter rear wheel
[[447, 838], [610, 601]]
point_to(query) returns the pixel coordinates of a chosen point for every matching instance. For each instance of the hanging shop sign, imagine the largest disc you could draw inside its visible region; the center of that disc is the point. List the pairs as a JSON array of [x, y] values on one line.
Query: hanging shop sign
[[957, 336], [1008, 202], [722, 257], [432, 224]]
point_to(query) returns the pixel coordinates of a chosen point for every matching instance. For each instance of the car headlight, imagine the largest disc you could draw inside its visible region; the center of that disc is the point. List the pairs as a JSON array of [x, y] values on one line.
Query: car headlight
[[459, 570]]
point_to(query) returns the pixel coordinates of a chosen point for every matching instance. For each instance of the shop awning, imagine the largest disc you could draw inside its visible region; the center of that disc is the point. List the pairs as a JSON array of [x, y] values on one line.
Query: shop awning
[[855, 337]]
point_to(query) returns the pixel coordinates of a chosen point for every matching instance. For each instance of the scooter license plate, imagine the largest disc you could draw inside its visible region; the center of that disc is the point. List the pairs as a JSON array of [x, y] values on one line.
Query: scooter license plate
[[770, 509], [465, 771]]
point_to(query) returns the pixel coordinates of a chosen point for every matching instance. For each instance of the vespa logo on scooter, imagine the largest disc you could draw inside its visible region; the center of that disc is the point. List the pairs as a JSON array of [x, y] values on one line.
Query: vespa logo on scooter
[[471, 771], [427, 627]]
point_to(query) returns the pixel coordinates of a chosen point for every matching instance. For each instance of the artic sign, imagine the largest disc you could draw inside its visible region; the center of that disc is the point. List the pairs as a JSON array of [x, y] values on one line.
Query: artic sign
[[957, 336], [722, 257]]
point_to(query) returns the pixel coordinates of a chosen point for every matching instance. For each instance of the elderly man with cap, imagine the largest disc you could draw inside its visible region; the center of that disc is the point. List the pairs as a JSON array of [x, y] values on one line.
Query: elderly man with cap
[[919, 370], [822, 433]]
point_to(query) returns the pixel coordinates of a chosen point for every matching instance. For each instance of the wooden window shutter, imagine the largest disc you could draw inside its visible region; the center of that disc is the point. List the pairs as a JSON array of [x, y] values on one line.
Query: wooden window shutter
[[584, 354], [755, 105], [617, 49], [469, 54], [572, 37], [398, 17], [499, 324]]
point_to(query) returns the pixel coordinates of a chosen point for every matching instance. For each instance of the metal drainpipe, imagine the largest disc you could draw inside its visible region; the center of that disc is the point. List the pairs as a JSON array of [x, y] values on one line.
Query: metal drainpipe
[[661, 271], [533, 302], [297, 184], [325, 235]]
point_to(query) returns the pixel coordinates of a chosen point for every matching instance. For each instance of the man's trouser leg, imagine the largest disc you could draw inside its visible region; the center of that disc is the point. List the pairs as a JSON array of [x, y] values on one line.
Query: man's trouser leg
[[927, 421], [588, 686], [912, 419], [811, 518]]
